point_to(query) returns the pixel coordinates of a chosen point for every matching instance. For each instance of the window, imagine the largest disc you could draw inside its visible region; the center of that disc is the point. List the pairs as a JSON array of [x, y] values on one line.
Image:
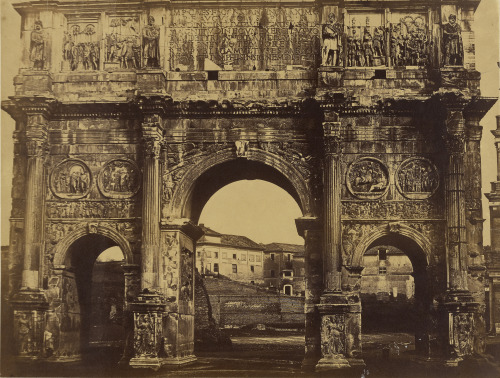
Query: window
[[208, 268], [216, 268], [216, 255], [243, 257], [272, 256], [287, 274], [287, 290], [382, 254], [251, 258], [235, 268], [272, 273], [289, 257], [234, 256], [252, 269], [258, 258], [382, 270]]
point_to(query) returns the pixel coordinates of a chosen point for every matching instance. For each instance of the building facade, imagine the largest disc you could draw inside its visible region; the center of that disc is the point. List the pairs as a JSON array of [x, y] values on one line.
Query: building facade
[[387, 274], [232, 256], [131, 115], [284, 268]]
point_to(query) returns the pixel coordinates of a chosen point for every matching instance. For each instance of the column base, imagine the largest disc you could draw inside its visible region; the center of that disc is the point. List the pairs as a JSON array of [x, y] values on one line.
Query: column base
[[147, 362], [356, 362], [180, 360], [332, 362]]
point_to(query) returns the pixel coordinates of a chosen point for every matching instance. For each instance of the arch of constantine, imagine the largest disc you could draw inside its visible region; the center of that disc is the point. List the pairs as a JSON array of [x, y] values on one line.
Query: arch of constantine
[[130, 115]]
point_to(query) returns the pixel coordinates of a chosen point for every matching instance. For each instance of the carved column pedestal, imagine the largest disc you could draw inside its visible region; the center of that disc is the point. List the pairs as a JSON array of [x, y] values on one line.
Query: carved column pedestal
[[457, 315], [340, 332], [148, 347], [177, 281], [29, 308]]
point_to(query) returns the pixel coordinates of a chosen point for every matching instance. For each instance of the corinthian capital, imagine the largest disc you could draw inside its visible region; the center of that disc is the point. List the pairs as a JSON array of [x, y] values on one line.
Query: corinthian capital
[[455, 143], [332, 137], [36, 142], [152, 146]]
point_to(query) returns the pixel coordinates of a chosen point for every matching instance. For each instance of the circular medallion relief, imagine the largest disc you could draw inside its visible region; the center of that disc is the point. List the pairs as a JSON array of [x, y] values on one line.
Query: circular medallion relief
[[417, 178], [119, 178], [71, 179], [367, 178]]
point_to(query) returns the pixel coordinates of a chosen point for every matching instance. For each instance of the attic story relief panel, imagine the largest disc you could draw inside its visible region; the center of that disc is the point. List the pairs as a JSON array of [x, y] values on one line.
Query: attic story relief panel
[[243, 39]]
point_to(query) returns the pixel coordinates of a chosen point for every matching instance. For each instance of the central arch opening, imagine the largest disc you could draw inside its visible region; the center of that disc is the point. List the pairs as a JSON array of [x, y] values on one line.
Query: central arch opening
[[394, 295], [250, 260]]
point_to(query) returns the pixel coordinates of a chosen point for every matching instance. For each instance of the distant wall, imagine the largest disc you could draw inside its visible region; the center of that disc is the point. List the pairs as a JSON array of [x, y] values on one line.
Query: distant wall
[[238, 305]]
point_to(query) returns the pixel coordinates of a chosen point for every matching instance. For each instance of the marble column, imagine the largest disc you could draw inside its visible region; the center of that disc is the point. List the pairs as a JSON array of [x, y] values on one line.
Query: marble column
[[332, 207], [29, 304], [152, 137], [310, 229], [456, 246], [36, 139], [333, 307]]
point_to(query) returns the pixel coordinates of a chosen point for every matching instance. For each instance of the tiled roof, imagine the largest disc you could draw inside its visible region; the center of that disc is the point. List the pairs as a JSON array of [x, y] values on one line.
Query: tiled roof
[[239, 241], [208, 231], [284, 247]]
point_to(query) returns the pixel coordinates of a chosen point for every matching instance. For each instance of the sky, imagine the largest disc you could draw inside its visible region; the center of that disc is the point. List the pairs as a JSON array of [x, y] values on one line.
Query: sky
[[257, 209]]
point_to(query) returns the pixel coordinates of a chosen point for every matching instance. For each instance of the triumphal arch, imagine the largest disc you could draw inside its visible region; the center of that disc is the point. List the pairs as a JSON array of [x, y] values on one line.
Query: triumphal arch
[[131, 114]]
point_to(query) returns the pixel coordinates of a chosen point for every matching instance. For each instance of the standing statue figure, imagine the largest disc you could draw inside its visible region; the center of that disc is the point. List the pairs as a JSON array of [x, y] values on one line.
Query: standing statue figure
[[332, 42], [37, 46], [150, 43], [368, 49], [452, 40]]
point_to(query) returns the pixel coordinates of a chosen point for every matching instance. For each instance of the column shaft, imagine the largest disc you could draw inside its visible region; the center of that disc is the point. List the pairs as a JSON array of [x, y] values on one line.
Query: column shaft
[[332, 211], [150, 206], [33, 217], [455, 213]]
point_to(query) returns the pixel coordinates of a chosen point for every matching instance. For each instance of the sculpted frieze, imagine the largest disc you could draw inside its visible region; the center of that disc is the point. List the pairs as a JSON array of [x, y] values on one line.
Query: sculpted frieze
[[71, 179], [391, 210], [410, 42], [146, 334], [93, 209], [367, 178], [119, 178], [417, 178], [333, 334], [81, 50], [366, 42], [187, 275], [123, 42], [170, 251], [244, 39], [463, 336]]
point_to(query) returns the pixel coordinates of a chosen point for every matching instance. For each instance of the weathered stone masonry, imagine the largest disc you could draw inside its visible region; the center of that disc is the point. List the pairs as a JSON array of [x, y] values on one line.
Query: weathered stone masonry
[[130, 116]]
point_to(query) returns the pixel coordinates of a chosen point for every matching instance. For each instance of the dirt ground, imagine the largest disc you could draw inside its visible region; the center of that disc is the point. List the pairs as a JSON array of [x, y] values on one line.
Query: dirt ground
[[278, 355]]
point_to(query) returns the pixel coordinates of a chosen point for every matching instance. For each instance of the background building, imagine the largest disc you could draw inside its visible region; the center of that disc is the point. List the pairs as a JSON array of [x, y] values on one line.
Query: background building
[[284, 268], [233, 256]]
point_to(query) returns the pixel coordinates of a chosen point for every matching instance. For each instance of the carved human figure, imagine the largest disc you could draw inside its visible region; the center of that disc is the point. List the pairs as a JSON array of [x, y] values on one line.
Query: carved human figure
[[151, 47], [452, 40], [37, 46], [332, 42], [24, 332], [241, 148], [368, 49], [144, 335]]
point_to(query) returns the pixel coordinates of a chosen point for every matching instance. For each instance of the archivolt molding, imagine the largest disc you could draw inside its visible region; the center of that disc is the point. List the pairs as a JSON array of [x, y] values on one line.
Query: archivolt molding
[[393, 228], [187, 183], [61, 249]]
